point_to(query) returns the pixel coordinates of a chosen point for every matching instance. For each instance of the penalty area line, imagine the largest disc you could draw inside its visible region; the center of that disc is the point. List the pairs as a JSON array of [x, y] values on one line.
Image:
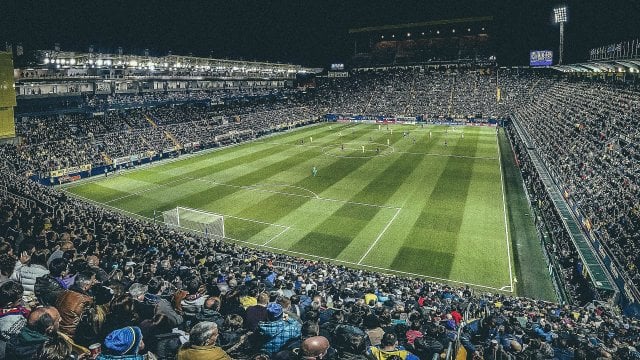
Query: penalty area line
[[276, 236], [156, 186], [379, 236]]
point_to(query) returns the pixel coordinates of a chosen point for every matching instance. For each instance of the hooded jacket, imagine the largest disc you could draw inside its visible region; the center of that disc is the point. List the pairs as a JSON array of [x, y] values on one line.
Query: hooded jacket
[[25, 344]]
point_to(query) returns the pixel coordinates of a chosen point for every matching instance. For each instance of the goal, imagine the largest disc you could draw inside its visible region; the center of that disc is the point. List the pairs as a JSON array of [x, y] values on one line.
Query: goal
[[209, 224]]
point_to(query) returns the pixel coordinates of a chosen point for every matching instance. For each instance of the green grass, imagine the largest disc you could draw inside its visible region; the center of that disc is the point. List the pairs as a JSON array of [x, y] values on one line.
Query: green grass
[[408, 205], [531, 269]]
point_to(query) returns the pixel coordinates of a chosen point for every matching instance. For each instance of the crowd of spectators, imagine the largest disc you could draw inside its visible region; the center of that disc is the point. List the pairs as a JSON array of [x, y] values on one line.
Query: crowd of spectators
[[64, 140], [587, 135], [76, 279], [414, 92]]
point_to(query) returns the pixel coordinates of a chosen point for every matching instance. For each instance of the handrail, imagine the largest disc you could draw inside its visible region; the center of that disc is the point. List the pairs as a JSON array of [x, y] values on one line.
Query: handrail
[[449, 355]]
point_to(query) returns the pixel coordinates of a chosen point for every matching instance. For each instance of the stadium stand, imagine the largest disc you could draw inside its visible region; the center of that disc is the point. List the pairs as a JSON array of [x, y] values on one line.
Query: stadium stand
[[121, 279]]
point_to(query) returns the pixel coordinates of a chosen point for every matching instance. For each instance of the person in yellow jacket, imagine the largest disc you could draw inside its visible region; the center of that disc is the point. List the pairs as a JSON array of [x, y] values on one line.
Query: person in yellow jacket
[[388, 349], [201, 345]]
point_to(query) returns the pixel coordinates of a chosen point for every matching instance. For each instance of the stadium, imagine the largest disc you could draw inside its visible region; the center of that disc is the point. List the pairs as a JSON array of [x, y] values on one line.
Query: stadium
[[462, 184]]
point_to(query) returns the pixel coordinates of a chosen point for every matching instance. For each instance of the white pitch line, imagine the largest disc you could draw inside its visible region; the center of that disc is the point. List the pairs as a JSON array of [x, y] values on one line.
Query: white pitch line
[[101, 205], [384, 154], [369, 266], [291, 186], [445, 155], [504, 211], [277, 235], [290, 144], [379, 236], [317, 197], [156, 186], [255, 221]]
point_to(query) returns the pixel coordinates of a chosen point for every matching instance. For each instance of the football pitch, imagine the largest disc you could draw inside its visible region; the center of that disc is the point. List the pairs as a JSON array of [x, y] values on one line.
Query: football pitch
[[396, 200]]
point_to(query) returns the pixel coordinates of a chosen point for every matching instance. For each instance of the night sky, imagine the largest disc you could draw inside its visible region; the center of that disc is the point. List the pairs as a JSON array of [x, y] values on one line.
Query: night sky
[[306, 32]]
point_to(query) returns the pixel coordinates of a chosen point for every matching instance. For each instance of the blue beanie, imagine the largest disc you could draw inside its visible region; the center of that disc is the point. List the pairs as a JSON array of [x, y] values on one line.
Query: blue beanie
[[274, 310], [124, 341]]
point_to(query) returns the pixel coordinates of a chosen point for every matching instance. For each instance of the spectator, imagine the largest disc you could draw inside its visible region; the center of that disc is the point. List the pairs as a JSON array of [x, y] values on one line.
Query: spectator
[[13, 315], [277, 331], [153, 304], [211, 311], [201, 345], [257, 313], [42, 325], [48, 287], [234, 339], [76, 304], [28, 273], [7, 264], [388, 349], [125, 343], [54, 348]]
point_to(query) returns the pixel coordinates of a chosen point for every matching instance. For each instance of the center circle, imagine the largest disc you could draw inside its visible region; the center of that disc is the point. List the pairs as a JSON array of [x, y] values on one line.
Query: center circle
[[357, 150]]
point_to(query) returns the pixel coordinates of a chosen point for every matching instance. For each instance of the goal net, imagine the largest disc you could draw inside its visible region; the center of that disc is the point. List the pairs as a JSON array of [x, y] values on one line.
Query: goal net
[[208, 224]]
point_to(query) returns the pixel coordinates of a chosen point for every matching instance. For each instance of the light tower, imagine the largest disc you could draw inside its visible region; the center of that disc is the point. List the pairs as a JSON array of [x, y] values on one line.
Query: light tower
[[560, 15]]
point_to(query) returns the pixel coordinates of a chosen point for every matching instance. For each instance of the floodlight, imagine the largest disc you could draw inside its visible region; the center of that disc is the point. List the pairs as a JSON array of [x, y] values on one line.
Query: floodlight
[[560, 14]]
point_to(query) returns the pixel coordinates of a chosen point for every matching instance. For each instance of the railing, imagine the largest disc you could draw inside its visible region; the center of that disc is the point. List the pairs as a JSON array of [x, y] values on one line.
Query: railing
[[20, 199], [450, 352]]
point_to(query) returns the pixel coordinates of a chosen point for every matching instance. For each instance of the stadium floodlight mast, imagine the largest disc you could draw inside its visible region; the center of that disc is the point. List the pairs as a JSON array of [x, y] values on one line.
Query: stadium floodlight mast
[[560, 15]]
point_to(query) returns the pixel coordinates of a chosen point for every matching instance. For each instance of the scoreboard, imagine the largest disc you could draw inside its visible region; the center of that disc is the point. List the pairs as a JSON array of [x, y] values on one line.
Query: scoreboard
[[7, 96], [541, 58]]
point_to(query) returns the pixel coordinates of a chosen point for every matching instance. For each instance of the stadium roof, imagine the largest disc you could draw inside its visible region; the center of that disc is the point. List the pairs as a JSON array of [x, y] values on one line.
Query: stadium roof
[[602, 66], [421, 24], [79, 59]]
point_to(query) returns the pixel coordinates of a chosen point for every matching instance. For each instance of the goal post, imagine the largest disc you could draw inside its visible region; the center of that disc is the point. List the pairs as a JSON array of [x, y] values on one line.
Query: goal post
[[209, 224]]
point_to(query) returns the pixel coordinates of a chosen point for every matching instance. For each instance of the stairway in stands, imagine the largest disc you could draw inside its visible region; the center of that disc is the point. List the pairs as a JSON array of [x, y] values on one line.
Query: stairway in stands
[[173, 139], [167, 134]]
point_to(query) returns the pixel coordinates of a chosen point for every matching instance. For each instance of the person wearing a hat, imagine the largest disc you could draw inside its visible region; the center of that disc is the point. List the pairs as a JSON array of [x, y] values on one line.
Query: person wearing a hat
[[278, 330], [125, 343], [201, 345]]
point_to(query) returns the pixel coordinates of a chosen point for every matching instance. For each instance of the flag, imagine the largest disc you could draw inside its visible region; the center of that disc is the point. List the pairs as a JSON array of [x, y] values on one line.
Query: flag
[[19, 50]]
